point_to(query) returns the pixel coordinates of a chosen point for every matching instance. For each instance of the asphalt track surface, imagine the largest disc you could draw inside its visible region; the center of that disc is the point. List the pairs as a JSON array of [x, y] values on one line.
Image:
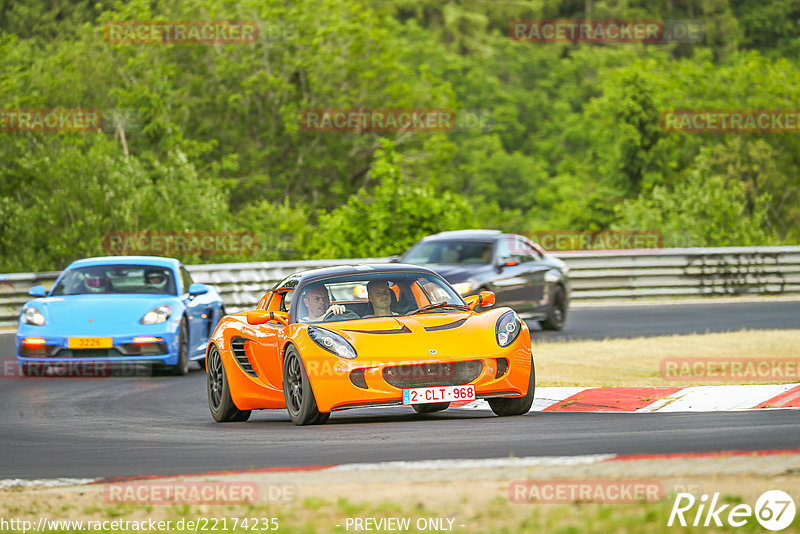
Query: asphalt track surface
[[97, 428], [671, 318]]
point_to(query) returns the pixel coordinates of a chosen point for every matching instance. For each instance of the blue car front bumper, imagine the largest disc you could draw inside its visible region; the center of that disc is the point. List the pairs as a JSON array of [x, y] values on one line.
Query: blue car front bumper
[[163, 349]]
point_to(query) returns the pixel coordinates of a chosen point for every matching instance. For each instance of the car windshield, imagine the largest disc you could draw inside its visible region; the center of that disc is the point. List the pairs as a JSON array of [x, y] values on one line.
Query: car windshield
[[374, 295], [105, 279], [450, 252]]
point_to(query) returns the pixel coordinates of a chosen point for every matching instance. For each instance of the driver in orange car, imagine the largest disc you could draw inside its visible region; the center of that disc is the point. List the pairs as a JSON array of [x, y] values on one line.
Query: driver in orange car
[[319, 304]]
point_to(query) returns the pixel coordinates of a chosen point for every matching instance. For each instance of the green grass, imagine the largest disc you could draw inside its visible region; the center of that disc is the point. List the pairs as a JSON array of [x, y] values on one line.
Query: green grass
[[497, 516]]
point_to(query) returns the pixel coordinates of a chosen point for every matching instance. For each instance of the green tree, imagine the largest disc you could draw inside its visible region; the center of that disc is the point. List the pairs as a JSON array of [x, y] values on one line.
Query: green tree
[[389, 219], [706, 209]]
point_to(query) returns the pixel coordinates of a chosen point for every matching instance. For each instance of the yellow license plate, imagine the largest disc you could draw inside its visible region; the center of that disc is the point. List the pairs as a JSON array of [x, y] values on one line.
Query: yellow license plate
[[90, 343]]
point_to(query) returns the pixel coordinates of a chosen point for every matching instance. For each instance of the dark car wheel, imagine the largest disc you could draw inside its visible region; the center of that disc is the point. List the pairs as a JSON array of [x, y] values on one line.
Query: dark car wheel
[[430, 408], [223, 410], [300, 401], [558, 310], [517, 405]]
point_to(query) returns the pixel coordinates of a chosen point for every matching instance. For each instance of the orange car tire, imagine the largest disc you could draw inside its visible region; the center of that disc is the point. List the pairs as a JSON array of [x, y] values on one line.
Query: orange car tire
[[300, 401], [430, 408], [516, 405], [223, 410]]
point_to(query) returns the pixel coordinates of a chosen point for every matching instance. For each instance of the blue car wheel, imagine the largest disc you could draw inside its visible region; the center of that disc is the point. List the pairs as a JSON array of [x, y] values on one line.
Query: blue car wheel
[[182, 367]]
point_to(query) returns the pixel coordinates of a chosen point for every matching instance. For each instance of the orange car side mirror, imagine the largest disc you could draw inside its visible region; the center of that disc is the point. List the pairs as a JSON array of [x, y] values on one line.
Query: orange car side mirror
[[280, 316], [483, 299], [256, 317]]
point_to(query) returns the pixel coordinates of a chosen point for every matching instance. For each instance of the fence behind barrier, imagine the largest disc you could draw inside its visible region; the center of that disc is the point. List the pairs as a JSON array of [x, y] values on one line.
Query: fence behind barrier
[[608, 274]]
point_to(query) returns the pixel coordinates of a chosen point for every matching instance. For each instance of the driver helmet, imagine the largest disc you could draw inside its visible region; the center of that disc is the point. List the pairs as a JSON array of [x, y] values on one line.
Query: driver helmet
[[97, 281], [154, 277]]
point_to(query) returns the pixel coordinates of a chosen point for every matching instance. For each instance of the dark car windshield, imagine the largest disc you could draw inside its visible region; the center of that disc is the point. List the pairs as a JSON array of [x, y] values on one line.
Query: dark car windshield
[[105, 279], [371, 295], [450, 252]]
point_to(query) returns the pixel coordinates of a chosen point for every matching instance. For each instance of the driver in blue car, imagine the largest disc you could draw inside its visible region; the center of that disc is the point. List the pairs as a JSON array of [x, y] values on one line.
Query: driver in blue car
[[97, 283], [318, 303], [155, 281]]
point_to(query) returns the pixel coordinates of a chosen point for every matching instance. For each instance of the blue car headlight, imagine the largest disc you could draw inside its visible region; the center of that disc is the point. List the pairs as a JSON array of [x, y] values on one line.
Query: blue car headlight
[[157, 315], [508, 327], [31, 315], [332, 342]]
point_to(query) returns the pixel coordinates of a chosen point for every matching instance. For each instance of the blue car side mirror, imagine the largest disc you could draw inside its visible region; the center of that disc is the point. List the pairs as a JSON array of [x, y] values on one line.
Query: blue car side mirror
[[37, 291], [198, 289]]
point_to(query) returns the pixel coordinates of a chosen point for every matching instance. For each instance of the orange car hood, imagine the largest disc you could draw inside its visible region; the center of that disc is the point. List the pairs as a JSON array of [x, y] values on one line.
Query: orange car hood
[[427, 336]]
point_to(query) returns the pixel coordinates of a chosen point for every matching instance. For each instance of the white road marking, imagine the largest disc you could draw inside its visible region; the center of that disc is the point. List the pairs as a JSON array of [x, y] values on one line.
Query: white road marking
[[45, 482], [473, 464], [717, 398]]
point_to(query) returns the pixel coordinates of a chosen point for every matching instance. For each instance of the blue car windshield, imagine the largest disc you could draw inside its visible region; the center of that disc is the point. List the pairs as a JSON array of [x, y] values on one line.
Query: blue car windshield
[[125, 279]]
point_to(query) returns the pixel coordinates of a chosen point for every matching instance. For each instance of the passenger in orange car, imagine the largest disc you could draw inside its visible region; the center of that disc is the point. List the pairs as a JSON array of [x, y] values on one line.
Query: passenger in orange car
[[319, 304], [381, 298]]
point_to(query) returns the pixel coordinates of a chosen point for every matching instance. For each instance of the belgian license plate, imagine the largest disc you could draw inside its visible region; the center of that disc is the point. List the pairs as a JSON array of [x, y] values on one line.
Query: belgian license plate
[[438, 394], [90, 343]]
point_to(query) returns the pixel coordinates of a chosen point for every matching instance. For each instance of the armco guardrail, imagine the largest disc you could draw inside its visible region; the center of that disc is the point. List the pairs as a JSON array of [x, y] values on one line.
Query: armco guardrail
[[630, 274]]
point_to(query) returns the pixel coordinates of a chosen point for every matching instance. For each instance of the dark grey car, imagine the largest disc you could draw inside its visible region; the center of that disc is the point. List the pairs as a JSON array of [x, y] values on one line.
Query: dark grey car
[[519, 272]]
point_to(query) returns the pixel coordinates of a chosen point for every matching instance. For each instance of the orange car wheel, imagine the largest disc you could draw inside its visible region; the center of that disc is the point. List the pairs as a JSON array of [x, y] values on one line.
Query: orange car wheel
[[517, 405], [223, 410], [300, 401]]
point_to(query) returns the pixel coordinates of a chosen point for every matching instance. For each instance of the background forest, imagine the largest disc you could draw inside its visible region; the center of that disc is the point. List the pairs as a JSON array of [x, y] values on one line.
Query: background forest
[[208, 137]]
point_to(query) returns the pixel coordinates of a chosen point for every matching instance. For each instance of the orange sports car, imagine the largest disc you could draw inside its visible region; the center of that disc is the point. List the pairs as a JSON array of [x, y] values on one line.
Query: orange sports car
[[368, 335]]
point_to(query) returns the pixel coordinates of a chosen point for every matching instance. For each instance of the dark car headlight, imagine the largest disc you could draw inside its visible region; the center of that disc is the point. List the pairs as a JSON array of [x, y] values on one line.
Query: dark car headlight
[[332, 342], [508, 327], [463, 288], [31, 315]]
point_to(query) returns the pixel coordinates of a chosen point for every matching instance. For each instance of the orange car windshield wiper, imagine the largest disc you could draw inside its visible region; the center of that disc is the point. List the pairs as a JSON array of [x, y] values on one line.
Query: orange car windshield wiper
[[431, 307]]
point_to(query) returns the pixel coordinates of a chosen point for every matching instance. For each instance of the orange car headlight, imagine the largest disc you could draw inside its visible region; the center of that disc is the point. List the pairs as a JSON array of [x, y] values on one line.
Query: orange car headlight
[[332, 342], [508, 328]]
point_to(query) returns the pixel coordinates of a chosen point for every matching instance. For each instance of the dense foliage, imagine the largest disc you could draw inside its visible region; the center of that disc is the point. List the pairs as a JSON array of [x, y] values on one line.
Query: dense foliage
[[208, 137]]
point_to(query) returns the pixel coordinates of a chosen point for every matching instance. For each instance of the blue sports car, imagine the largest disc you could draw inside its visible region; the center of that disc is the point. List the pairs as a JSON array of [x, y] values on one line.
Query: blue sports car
[[131, 309]]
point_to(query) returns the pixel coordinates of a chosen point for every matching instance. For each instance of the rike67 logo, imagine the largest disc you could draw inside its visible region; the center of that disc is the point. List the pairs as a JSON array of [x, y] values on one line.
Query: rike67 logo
[[774, 510]]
